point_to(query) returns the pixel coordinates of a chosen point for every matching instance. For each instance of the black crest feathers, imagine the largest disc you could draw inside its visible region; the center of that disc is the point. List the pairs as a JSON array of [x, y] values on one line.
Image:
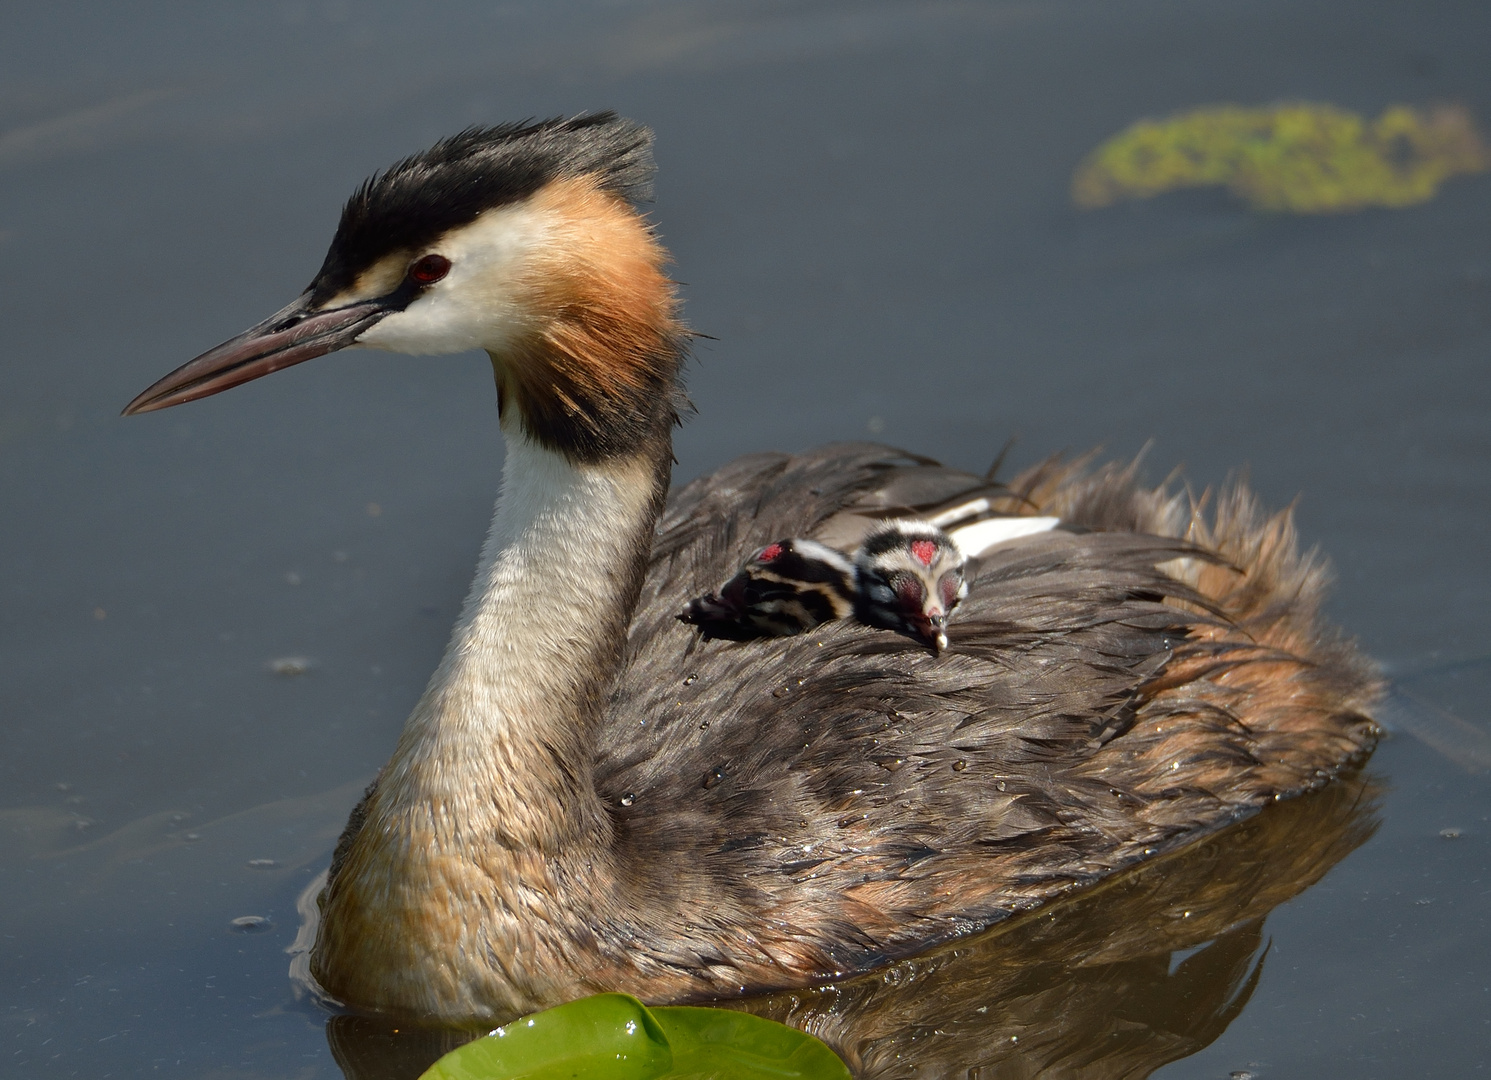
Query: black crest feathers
[[459, 177]]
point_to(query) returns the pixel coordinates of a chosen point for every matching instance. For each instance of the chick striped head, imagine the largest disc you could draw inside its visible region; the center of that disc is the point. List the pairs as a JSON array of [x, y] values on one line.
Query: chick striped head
[[908, 578]]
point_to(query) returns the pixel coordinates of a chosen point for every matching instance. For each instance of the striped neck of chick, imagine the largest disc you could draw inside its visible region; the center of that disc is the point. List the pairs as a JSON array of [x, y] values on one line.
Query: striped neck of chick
[[788, 587], [908, 577]]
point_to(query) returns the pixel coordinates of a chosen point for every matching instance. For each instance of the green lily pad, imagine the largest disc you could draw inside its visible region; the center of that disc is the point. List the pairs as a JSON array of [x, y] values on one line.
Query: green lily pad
[[728, 1044], [616, 1037]]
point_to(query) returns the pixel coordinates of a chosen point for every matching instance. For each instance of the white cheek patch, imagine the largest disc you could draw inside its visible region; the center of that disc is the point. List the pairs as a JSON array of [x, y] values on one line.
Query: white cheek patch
[[482, 303]]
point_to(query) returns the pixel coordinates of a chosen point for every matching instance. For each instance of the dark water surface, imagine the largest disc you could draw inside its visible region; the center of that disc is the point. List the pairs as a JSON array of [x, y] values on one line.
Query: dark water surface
[[869, 205]]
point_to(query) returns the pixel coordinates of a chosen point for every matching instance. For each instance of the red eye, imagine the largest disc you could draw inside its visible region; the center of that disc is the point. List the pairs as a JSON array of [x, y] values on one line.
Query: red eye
[[429, 269], [909, 590], [947, 587]]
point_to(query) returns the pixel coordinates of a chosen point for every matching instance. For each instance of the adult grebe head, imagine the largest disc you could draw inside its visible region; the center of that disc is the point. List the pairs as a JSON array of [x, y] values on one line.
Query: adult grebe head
[[520, 239]]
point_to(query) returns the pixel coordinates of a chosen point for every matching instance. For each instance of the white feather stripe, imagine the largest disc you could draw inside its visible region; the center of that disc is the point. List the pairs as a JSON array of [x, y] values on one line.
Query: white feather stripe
[[954, 514], [973, 540]]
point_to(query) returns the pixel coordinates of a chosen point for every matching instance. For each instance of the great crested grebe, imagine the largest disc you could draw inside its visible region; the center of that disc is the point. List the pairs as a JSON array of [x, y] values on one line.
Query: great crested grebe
[[587, 797]]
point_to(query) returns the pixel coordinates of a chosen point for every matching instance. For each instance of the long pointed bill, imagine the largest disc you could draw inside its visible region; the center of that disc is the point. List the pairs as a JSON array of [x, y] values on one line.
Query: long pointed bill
[[289, 336]]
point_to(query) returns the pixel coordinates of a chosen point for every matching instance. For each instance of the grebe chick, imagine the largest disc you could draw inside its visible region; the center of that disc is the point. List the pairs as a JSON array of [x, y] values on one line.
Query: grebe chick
[[788, 587], [908, 577], [582, 800]]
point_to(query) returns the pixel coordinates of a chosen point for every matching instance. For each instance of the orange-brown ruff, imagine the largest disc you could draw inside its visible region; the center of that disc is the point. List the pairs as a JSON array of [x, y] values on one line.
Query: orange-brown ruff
[[587, 797], [603, 315]]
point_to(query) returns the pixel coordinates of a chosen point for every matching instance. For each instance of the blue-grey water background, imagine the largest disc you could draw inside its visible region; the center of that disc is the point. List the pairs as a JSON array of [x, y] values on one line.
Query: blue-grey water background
[[868, 205]]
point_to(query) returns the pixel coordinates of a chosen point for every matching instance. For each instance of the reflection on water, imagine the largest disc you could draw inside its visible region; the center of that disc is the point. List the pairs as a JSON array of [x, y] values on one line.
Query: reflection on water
[[1147, 968], [1463, 743], [367, 1048]]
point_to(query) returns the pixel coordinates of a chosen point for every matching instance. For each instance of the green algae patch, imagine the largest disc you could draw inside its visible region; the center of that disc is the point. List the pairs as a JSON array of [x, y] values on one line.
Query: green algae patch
[[1295, 158], [616, 1037]]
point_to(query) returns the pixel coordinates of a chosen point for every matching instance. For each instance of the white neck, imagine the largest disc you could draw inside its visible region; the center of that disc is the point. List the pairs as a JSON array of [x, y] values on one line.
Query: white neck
[[482, 841], [510, 711]]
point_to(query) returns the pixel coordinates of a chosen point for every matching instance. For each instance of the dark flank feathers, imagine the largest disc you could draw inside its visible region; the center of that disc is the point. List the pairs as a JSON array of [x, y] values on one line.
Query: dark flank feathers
[[1104, 983], [450, 184], [866, 798]]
